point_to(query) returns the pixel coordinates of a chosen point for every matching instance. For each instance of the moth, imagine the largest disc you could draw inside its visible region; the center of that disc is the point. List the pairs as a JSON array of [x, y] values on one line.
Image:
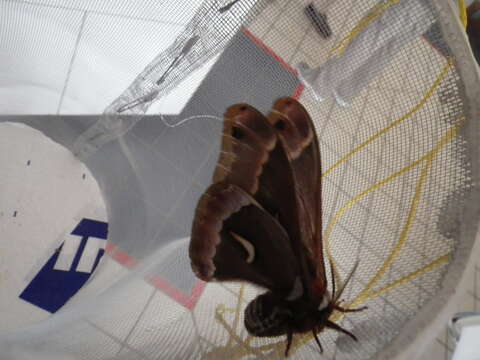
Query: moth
[[261, 219]]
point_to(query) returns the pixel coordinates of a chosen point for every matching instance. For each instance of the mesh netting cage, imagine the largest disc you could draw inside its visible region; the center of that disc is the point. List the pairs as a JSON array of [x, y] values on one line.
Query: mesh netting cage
[[133, 95]]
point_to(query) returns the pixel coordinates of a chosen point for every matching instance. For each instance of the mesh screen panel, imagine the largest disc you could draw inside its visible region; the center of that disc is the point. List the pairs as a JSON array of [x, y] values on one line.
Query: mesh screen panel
[[399, 158]]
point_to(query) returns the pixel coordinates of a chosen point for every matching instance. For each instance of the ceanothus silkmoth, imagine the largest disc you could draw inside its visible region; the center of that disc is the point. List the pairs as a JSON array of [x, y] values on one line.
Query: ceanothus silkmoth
[[261, 221]]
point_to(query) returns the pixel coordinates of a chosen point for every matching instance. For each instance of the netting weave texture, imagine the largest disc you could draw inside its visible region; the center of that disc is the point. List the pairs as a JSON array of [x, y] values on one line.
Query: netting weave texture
[[385, 83]]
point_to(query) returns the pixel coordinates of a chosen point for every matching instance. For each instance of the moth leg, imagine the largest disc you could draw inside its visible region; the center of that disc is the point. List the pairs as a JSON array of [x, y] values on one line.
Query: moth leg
[[344, 310], [314, 332], [289, 341], [334, 326]]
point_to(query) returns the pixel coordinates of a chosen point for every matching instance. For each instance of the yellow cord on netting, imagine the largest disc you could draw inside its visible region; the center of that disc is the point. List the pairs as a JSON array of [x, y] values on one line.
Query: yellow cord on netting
[[462, 9], [397, 122], [237, 312], [265, 351], [236, 348], [377, 11], [244, 348], [338, 316], [367, 293], [405, 231], [372, 15], [413, 275], [428, 158]]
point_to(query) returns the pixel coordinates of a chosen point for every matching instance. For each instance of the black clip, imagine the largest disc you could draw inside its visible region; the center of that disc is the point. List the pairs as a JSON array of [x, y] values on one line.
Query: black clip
[[319, 21]]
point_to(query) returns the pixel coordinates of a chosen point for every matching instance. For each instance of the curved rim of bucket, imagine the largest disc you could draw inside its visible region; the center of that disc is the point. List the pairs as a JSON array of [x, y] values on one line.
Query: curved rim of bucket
[[425, 325]]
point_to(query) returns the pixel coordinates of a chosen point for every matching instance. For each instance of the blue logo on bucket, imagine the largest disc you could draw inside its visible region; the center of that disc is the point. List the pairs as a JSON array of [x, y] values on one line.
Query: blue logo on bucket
[[69, 267]]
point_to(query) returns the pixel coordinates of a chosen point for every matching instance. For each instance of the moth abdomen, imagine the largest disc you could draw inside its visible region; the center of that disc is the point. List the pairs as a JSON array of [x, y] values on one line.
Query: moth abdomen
[[265, 316]]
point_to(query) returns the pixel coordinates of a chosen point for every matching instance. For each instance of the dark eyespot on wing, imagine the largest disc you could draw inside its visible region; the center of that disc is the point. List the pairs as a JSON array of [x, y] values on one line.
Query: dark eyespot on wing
[[299, 126], [237, 133], [280, 125], [246, 142]]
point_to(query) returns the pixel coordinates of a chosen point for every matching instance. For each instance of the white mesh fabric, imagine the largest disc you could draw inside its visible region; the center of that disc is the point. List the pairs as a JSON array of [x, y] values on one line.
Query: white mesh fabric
[[400, 169]]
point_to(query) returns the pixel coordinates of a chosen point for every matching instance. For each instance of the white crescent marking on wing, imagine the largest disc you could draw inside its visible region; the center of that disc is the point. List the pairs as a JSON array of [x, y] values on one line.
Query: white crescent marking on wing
[[247, 245], [297, 290], [325, 301]]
